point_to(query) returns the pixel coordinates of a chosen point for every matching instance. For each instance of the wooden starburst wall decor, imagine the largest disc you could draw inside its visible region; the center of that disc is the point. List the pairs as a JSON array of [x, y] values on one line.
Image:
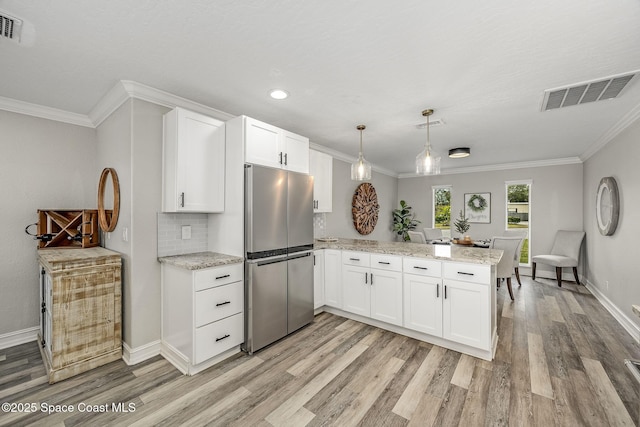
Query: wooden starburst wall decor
[[364, 208]]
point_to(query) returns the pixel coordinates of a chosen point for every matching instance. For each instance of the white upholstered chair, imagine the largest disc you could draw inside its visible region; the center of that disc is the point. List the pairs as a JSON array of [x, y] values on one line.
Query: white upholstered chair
[[416, 237], [504, 269], [432, 233], [522, 234], [565, 253]]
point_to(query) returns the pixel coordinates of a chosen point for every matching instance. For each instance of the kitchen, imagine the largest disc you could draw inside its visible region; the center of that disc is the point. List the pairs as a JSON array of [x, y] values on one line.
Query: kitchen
[[127, 139]]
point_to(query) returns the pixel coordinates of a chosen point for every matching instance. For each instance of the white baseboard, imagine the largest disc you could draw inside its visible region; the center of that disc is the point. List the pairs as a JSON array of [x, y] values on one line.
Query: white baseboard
[[133, 356], [618, 314], [12, 339]]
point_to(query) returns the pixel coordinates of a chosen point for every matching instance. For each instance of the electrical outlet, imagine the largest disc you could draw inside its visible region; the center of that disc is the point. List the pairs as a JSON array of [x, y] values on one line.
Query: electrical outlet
[[125, 234], [186, 232], [606, 283]]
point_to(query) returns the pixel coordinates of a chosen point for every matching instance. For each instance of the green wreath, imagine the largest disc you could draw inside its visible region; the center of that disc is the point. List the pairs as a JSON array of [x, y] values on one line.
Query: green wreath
[[482, 203]]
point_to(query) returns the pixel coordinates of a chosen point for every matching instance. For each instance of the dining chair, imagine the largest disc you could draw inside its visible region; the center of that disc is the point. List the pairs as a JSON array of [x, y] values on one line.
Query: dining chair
[[432, 233], [416, 237], [522, 234], [564, 253], [504, 269]]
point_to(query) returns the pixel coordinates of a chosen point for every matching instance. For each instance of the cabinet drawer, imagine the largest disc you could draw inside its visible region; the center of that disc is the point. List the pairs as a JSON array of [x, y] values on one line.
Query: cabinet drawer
[[217, 276], [386, 262], [219, 302], [355, 258], [476, 273], [217, 337], [422, 267]]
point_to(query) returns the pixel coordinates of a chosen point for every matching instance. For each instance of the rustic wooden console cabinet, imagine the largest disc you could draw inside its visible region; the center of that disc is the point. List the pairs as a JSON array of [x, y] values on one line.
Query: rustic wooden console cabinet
[[80, 323]]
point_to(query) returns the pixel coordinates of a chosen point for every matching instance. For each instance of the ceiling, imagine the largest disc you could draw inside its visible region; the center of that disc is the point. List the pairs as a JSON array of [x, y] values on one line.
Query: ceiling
[[483, 67]]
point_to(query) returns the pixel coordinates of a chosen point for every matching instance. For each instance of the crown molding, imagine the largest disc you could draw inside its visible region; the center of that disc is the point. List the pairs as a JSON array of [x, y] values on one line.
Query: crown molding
[[349, 159], [35, 110], [503, 166], [626, 121], [126, 89]]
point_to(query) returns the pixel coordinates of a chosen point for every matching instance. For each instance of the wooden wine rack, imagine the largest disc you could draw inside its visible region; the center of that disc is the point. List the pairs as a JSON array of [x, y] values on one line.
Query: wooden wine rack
[[69, 228]]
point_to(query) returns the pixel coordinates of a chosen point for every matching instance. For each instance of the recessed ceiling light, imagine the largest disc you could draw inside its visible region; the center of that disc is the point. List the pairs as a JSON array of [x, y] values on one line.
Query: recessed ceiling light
[[458, 153], [278, 94]]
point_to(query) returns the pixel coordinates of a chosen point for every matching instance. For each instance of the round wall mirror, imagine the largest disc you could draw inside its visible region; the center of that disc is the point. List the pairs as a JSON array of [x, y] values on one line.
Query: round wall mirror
[[108, 221]]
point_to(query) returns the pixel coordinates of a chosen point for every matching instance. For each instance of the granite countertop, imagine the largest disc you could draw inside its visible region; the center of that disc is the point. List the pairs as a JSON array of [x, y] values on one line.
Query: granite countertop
[[451, 252], [199, 260]]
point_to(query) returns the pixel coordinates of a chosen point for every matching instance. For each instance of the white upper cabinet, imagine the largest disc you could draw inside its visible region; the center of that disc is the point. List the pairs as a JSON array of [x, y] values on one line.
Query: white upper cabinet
[[321, 167], [193, 162], [268, 145]]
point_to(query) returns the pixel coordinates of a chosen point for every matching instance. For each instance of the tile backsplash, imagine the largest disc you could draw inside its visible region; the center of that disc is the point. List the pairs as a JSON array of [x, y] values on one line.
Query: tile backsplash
[[170, 240]]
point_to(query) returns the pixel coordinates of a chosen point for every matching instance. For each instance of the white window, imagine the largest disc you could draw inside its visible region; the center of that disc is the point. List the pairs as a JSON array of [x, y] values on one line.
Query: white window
[[518, 213], [441, 210]]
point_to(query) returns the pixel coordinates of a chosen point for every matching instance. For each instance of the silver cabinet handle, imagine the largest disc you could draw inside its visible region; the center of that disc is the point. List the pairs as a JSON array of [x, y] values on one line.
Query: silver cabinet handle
[[420, 268], [465, 273], [366, 278], [182, 199], [223, 303], [384, 263], [223, 277], [354, 259], [280, 158], [445, 291], [220, 339], [285, 159], [438, 290], [371, 278]]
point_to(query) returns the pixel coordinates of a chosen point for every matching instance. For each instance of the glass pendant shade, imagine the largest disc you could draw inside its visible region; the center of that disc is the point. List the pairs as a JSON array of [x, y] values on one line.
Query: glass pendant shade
[[426, 162], [361, 168]]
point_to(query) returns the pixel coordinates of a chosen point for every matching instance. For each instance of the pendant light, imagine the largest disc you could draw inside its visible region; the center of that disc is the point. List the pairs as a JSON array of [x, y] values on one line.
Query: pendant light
[[361, 169], [426, 162]]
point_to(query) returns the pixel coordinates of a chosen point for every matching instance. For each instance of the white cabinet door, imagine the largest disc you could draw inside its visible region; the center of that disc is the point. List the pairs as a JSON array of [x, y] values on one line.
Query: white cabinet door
[[295, 150], [356, 290], [193, 162], [423, 298], [318, 279], [271, 146], [321, 167], [386, 296], [333, 278], [466, 313], [263, 145]]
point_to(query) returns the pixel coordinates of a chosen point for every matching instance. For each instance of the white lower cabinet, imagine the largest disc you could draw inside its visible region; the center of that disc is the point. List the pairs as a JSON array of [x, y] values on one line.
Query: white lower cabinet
[[423, 304], [467, 308], [318, 279], [202, 315], [372, 292], [447, 303], [333, 278]]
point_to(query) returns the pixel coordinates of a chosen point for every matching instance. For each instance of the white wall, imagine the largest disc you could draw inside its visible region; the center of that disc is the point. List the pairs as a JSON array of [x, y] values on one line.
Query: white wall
[[556, 201], [114, 151], [339, 223], [611, 258], [44, 165], [130, 141]]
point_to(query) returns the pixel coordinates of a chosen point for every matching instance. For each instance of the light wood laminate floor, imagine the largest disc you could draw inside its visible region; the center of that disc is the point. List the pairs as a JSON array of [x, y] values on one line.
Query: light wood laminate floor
[[559, 362]]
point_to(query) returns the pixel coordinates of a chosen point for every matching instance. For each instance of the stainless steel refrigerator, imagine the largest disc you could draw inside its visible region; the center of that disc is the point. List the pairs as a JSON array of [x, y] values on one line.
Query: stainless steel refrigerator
[[279, 254]]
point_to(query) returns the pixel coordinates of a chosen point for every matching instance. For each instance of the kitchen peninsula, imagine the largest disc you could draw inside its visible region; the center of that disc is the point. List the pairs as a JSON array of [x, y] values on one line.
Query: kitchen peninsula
[[442, 294]]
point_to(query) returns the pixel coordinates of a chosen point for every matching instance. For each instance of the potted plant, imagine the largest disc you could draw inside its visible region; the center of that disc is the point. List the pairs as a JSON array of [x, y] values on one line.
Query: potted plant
[[404, 220], [462, 225]]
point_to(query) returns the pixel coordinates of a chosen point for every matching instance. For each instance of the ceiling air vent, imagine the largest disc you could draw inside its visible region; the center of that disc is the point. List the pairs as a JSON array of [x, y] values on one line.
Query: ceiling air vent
[[582, 93], [10, 27], [432, 123]]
